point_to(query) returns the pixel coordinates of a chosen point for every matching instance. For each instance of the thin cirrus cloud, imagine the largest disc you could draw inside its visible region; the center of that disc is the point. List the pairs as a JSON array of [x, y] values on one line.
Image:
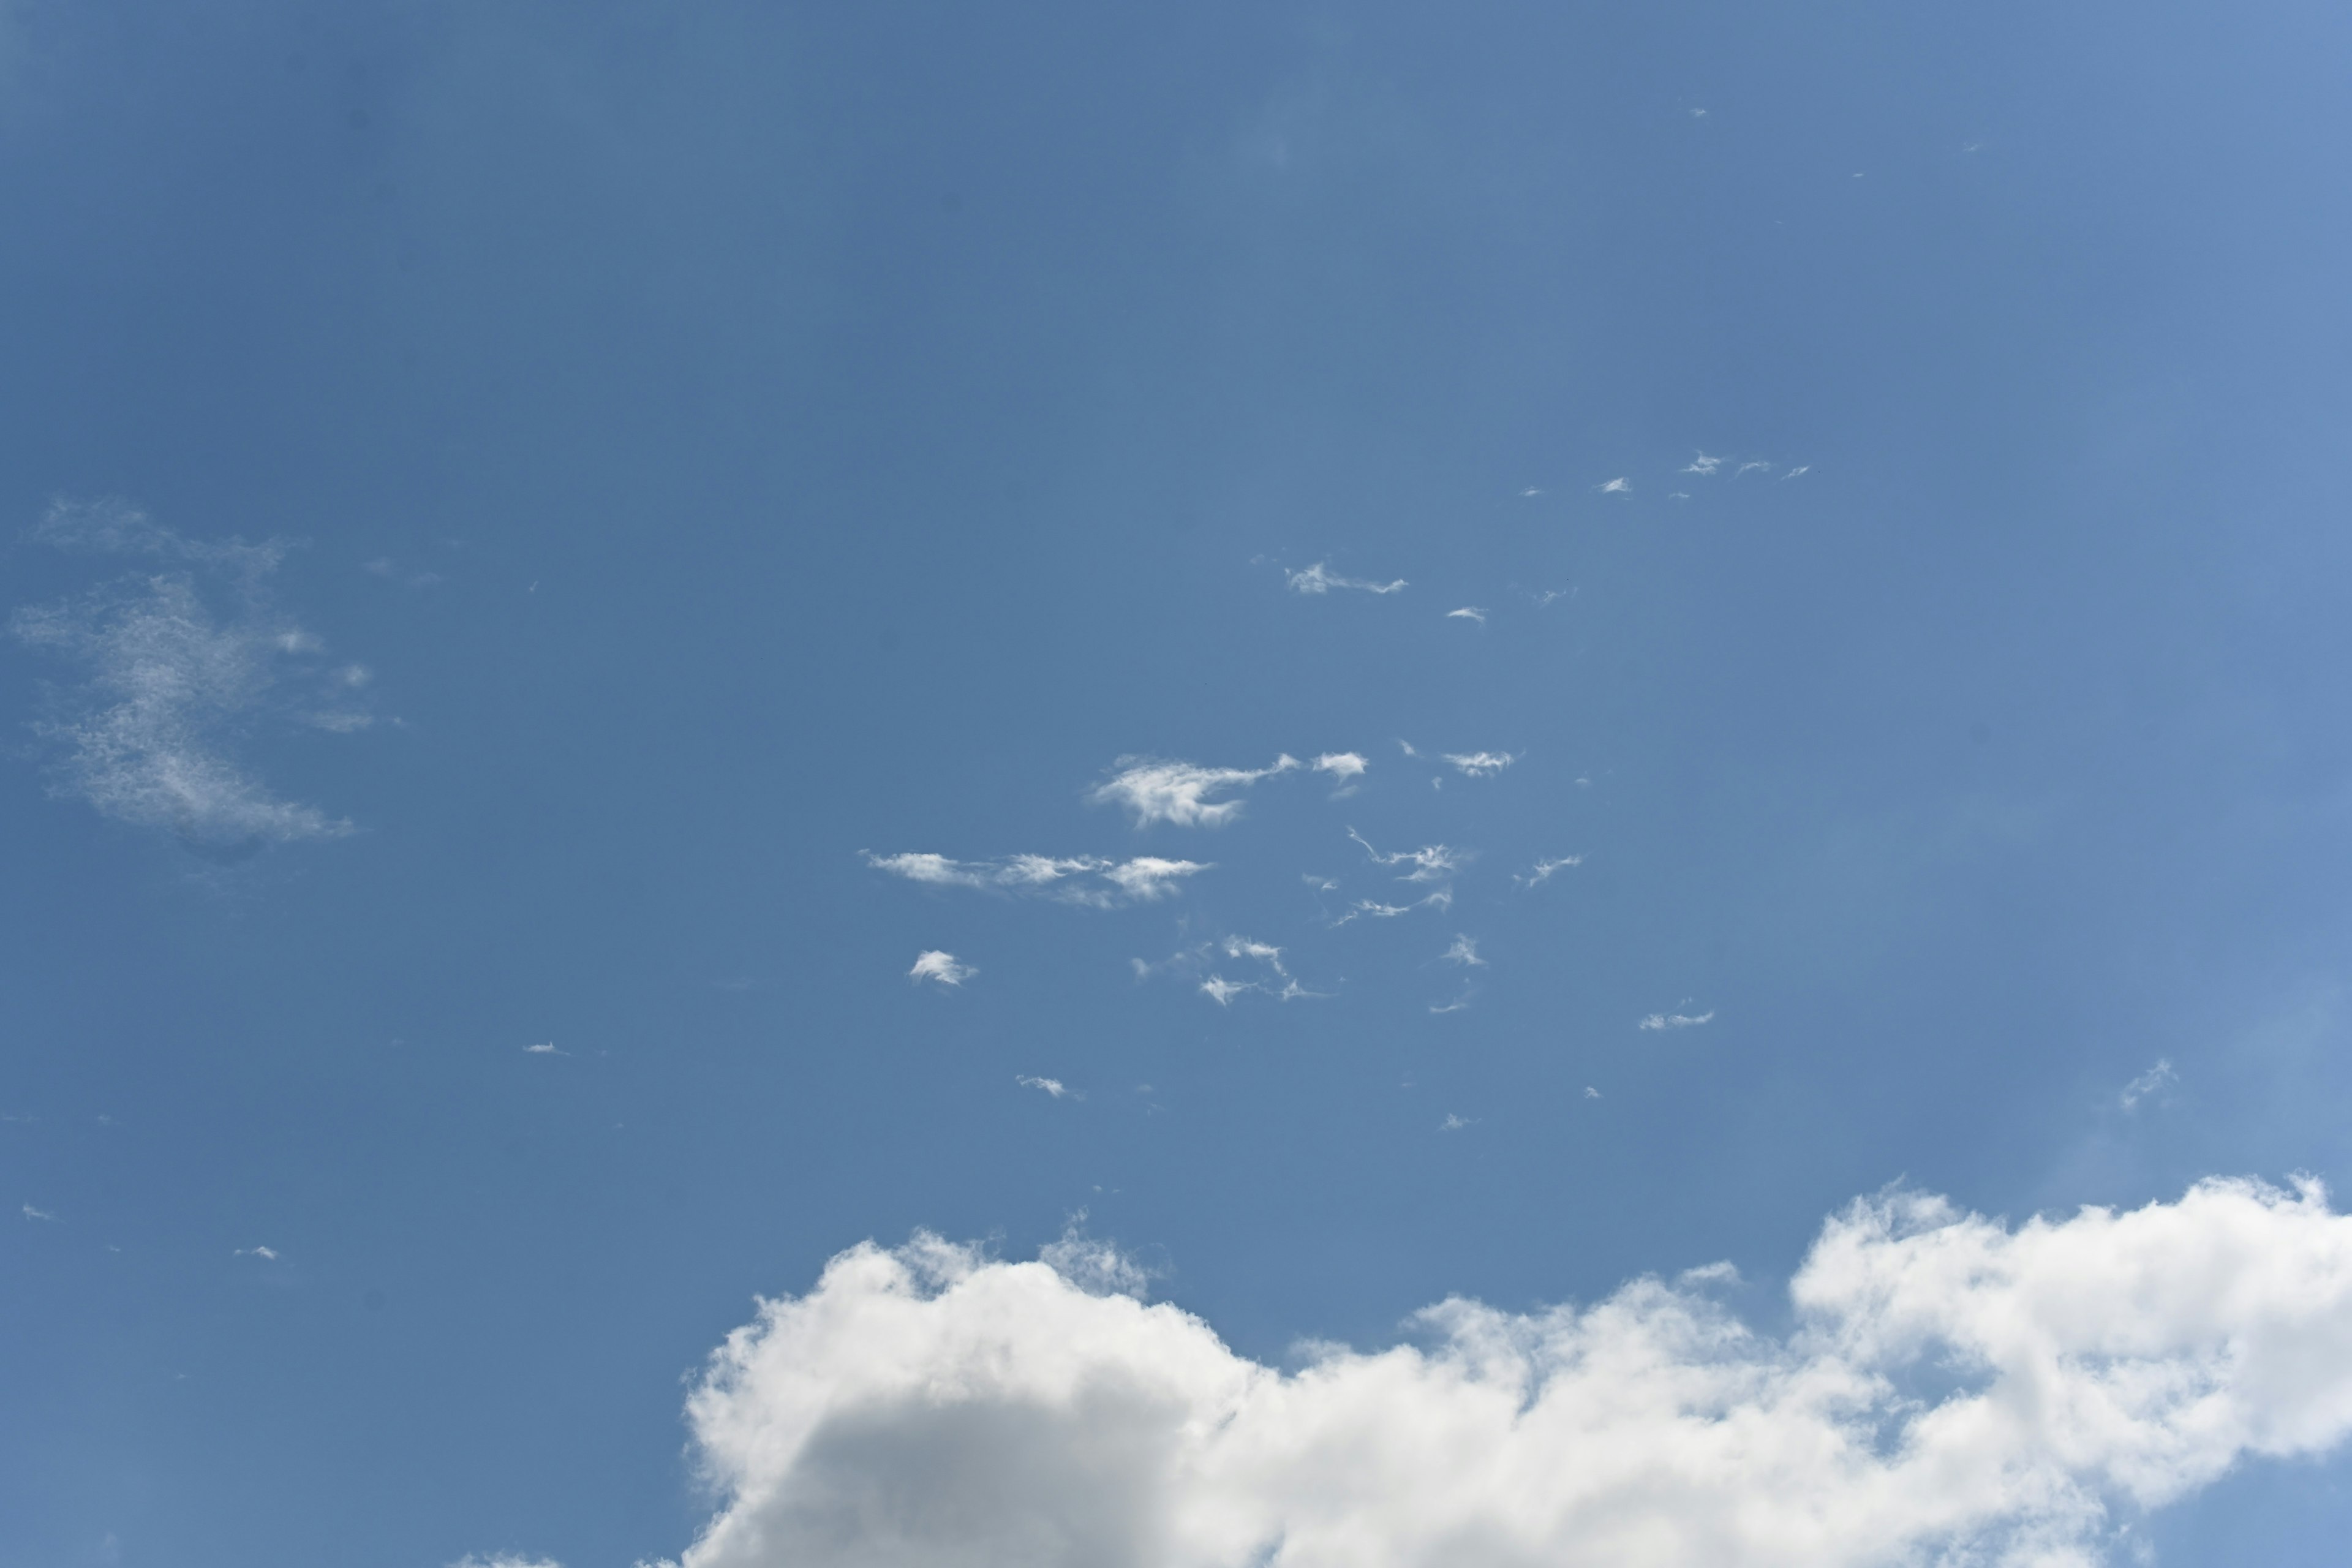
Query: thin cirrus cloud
[[1320, 579], [146, 737], [1430, 863], [1616, 487], [1467, 613], [1676, 1020], [1544, 870], [1464, 952], [1053, 1086], [1185, 794], [2153, 1082], [1481, 765], [1953, 1390], [941, 968], [1703, 464], [1086, 879]]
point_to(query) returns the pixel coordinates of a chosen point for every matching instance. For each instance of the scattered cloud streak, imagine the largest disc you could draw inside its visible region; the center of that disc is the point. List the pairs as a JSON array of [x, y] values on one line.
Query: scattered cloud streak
[[1952, 1390], [1053, 1086], [1085, 879], [1677, 1020], [149, 736], [1543, 870], [941, 968], [1464, 952], [1467, 613], [1481, 765], [2155, 1080], [1182, 793], [1320, 579], [1430, 863]]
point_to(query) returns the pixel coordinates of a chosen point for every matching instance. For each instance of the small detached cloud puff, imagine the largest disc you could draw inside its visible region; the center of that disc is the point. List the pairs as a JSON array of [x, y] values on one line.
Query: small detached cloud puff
[[1319, 579], [1481, 765], [940, 967], [1181, 792], [1676, 1020]]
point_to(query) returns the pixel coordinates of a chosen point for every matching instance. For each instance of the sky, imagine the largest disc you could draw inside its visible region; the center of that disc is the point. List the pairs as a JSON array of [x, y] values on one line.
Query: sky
[[1287, 785]]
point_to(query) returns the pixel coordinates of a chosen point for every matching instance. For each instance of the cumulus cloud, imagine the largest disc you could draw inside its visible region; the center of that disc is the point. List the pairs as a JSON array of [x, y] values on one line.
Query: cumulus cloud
[[149, 736], [1953, 1390], [1075, 879], [1320, 579], [1677, 1020], [1341, 765], [1467, 613], [1543, 870], [941, 967], [1429, 863], [1156, 791], [1481, 765]]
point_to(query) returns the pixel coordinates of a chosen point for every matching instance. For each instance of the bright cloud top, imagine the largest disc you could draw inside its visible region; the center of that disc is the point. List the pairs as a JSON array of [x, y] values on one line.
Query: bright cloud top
[[1320, 579], [940, 967], [927, 1406], [1182, 793], [1341, 765], [147, 737], [1075, 879]]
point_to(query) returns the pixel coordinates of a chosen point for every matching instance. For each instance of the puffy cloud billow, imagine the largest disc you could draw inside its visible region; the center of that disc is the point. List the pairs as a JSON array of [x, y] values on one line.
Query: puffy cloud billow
[[1953, 1390]]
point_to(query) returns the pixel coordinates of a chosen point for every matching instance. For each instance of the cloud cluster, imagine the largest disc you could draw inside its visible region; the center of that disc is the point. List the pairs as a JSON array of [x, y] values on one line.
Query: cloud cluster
[[1086, 879], [1319, 579], [149, 735], [1157, 790], [1954, 1390], [941, 968], [1481, 765]]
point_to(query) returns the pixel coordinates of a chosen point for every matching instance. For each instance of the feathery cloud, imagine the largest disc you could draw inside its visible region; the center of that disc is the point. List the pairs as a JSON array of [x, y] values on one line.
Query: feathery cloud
[[1084, 880], [1703, 464], [1758, 467], [42, 1214], [1320, 579], [1542, 871], [1429, 863], [1799, 469], [1051, 1086], [267, 1254], [1616, 487], [1157, 790], [1676, 1020], [1467, 613], [147, 737], [1455, 1122], [942, 967], [928, 1406], [1464, 952], [1482, 764], [2154, 1080], [545, 1048]]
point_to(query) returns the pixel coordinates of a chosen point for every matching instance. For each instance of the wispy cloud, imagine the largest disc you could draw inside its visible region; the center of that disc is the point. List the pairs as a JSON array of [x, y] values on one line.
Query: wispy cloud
[[1760, 465], [1345, 766], [1430, 863], [545, 1048], [1542, 871], [267, 1254], [1464, 952], [1320, 579], [1051, 1086], [1620, 486], [1482, 764], [1703, 464], [1467, 613], [146, 737], [2154, 1080], [1454, 1123], [1086, 879], [940, 967], [42, 1215], [1677, 1020], [1153, 789], [1799, 468]]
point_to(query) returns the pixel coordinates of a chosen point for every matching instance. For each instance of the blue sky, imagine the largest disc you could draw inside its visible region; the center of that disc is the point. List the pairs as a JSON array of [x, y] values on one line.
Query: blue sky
[[519, 517]]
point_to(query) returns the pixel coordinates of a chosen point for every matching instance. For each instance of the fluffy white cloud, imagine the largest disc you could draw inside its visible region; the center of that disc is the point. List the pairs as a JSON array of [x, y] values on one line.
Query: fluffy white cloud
[[1953, 1390], [146, 738], [1341, 765], [940, 967], [1157, 790], [1076, 880], [1319, 579]]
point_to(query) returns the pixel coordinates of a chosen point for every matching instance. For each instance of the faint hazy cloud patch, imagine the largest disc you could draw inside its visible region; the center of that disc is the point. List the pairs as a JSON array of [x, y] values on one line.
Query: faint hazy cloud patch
[[180, 665]]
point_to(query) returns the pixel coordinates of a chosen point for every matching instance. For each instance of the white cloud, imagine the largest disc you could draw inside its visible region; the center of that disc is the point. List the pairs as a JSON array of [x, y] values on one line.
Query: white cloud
[[1799, 468], [1677, 1020], [1464, 951], [146, 737], [1953, 1390], [1319, 579], [267, 1254], [1751, 468], [1591, 1093], [32, 1212], [2155, 1078], [1407, 747], [1616, 487], [1454, 1123], [1156, 791], [1467, 613], [942, 967], [1703, 464], [1429, 862], [1222, 991], [1542, 871], [1482, 764], [545, 1048], [1051, 1086], [1077, 879], [1341, 765]]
